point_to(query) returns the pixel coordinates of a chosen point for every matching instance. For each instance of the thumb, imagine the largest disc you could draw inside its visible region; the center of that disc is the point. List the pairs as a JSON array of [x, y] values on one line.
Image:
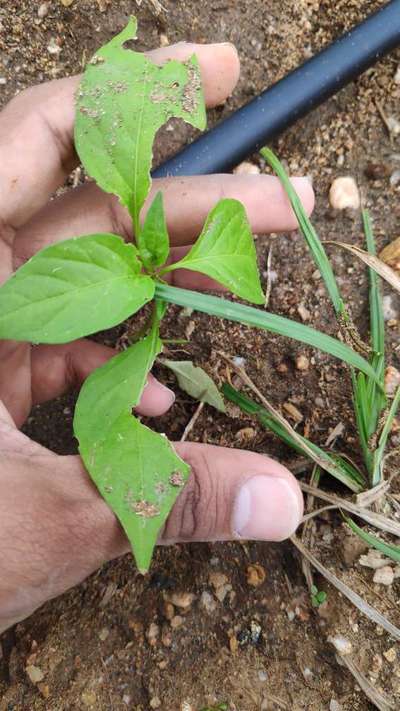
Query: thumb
[[233, 494]]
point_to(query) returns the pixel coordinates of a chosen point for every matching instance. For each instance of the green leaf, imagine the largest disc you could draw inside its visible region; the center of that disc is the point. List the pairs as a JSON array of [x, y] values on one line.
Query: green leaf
[[225, 251], [73, 288], [250, 316], [153, 240], [136, 470], [196, 383], [122, 101], [387, 549], [307, 229], [380, 450]]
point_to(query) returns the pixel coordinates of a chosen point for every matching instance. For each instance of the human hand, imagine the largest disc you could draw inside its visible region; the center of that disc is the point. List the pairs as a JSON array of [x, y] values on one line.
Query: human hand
[[55, 528]]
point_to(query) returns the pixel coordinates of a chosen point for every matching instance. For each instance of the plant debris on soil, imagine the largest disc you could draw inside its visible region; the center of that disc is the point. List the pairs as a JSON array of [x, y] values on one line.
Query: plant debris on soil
[[231, 623]]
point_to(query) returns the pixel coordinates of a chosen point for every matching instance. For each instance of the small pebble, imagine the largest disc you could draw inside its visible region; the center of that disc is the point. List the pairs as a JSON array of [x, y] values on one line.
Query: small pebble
[[103, 634], [388, 308], [292, 411], [373, 559], [164, 41], [217, 580], [89, 698], [168, 610], [255, 575], [303, 312], [35, 673], [183, 600], [384, 576], [302, 363], [208, 602], [391, 254], [334, 705], [43, 10], [393, 125], [344, 194], [395, 178], [176, 621], [126, 699], [390, 654], [392, 380], [3, 81], [246, 168], [155, 703], [341, 644], [397, 75], [152, 634], [53, 47]]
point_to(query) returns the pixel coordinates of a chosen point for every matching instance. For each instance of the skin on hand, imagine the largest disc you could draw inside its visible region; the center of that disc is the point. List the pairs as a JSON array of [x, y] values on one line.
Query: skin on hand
[[54, 527]]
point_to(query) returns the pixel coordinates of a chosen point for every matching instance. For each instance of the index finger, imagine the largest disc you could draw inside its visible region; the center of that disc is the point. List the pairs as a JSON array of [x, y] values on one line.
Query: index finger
[[36, 129]]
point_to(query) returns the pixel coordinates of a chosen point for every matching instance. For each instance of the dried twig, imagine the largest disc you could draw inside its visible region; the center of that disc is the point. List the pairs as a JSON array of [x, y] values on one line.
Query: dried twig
[[269, 278], [192, 421], [375, 519], [354, 598], [381, 701]]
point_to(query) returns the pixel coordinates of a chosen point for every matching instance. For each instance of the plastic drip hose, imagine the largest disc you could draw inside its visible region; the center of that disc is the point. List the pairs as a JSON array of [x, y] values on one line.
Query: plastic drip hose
[[293, 97]]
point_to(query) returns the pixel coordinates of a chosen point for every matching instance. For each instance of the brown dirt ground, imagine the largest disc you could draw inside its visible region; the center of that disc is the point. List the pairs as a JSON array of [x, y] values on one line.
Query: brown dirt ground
[[91, 643]]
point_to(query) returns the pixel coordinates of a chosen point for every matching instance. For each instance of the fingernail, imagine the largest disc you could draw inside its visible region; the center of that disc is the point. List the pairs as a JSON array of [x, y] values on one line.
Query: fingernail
[[266, 509], [165, 392]]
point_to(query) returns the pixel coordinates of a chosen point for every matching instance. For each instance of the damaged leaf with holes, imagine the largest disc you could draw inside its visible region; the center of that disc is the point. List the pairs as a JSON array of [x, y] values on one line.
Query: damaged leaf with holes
[[122, 101]]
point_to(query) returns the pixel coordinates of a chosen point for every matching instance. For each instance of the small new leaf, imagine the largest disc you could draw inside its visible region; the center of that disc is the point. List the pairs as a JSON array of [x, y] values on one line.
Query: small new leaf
[[153, 240], [72, 289], [196, 383], [122, 101], [136, 470], [225, 252]]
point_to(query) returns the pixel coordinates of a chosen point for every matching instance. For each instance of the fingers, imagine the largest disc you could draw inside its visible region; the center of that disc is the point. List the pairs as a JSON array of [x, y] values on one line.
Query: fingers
[[187, 201], [231, 495], [57, 369], [36, 129]]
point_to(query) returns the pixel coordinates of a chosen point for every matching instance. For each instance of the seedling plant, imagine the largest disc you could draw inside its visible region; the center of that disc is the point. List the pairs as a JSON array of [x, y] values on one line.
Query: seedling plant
[[90, 283]]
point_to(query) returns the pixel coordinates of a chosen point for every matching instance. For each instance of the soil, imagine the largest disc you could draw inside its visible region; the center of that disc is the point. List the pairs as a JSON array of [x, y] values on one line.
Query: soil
[[107, 644]]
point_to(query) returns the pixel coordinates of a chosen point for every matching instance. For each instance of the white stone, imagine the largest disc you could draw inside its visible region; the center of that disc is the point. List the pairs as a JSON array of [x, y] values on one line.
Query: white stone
[[389, 310], [208, 602], [392, 380], [344, 193], [384, 576], [43, 9], [246, 168], [341, 644]]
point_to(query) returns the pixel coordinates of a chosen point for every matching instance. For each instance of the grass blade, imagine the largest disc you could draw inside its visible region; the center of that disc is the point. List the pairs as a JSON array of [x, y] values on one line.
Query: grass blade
[[273, 420], [376, 399], [216, 306], [389, 550], [380, 450], [307, 229]]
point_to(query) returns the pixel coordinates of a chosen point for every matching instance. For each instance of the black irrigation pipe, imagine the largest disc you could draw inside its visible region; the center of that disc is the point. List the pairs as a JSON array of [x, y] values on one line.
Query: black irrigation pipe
[[290, 99]]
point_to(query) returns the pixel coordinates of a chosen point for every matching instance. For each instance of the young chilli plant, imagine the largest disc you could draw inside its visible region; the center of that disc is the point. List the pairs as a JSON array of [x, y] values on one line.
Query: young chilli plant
[[93, 282]]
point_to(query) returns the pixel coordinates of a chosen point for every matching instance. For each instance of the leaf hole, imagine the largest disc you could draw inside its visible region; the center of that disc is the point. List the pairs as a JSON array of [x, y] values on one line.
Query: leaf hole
[[130, 44]]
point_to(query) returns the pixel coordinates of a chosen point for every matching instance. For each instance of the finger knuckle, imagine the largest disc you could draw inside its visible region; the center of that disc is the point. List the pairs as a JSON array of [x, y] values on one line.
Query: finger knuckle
[[194, 516]]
